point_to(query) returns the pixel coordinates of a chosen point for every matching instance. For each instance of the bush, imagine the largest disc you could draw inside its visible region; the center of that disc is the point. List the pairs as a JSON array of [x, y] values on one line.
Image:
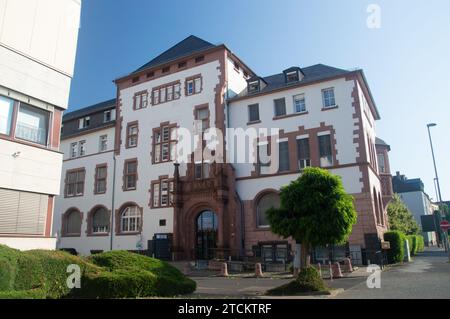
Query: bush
[[308, 281], [118, 274], [169, 281], [396, 239], [420, 243]]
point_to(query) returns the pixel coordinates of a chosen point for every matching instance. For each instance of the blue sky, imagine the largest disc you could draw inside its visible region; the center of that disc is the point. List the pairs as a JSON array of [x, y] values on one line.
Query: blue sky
[[406, 60]]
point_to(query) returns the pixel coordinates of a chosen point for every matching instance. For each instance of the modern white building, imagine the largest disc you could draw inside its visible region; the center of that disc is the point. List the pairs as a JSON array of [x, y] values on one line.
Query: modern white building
[[38, 41], [125, 188]]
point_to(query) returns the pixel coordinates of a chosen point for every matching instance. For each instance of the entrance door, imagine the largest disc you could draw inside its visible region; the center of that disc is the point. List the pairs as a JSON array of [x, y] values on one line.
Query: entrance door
[[206, 235]]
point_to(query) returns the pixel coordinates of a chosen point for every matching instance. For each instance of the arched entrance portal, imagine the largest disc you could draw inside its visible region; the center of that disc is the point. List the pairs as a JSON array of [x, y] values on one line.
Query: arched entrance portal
[[206, 235]]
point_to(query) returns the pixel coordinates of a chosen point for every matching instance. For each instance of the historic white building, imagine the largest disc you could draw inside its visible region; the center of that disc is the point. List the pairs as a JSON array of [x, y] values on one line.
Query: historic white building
[[124, 188], [38, 41]]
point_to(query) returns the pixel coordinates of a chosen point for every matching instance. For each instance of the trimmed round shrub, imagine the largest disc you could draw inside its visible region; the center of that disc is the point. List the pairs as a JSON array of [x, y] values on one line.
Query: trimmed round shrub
[[308, 281], [396, 239], [169, 281]]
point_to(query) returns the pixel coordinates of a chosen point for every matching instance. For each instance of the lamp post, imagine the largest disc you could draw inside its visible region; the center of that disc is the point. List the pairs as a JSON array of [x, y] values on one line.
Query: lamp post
[[445, 236]]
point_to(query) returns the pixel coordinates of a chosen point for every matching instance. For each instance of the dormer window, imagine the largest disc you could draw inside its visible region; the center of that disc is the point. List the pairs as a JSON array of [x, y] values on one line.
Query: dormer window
[[253, 87], [84, 122], [293, 74], [292, 77]]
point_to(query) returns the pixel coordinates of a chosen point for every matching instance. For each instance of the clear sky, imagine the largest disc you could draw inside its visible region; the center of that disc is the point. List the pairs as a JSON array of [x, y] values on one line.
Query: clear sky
[[406, 60]]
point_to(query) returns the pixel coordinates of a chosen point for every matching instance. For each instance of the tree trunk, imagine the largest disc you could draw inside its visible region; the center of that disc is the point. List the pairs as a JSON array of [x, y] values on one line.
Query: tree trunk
[[297, 256], [305, 255]]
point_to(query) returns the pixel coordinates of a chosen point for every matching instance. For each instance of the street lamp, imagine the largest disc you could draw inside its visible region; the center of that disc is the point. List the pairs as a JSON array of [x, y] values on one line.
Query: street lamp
[[437, 182]]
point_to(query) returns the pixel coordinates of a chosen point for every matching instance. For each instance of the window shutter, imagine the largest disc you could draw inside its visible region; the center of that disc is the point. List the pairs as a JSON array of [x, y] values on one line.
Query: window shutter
[[22, 212]]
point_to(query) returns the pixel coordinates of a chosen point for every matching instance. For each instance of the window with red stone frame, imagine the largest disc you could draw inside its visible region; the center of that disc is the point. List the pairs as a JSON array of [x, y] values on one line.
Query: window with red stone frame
[[166, 93], [132, 134], [74, 182], [161, 193], [130, 174], [140, 100], [101, 172], [193, 85], [202, 114], [164, 143]]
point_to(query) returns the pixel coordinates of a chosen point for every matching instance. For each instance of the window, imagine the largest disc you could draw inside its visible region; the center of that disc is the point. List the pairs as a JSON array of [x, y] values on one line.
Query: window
[[73, 150], [253, 87], [103, 143], [140, 100], [100, 179], [202, 114], [150, 74], [263, 157], [132, 135], [299, 103], [303, 153], [266, 202], [32, 124], [280, 107], [283, 156], [84, 122], [100, 221], [82, 147], [182, 64], [236, 66], [162, 192], [193, 85], [166, 93], [135, 79], [199, 59], [201, 170], [75, 182], [162, 222], [72, 223], [6, 112], [328, 98], [325, 152], [164, 143], [381, 163], [109, 115], [292, 76], [166, 69], [253, 113], [130, 220], [130, 174]]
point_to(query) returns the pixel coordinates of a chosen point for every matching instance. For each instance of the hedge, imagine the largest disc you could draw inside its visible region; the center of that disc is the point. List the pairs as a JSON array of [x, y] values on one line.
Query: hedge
[[117, 274], [420, 244], [416, 244], [396, 252]]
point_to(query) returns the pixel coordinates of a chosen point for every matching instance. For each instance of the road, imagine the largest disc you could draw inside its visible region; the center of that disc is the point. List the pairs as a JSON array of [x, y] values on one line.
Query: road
[[427, 277]]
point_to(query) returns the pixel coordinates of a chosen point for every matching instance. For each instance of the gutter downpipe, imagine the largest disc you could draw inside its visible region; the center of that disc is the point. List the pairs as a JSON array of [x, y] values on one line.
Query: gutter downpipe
[[112, 203]]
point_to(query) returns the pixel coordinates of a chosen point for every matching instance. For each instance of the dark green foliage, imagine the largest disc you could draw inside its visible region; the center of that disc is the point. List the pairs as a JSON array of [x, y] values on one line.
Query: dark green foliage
[[118, 274], [314, 209], [400, 217], [397, 252], [167, 280], [308, 281], [420, 244]]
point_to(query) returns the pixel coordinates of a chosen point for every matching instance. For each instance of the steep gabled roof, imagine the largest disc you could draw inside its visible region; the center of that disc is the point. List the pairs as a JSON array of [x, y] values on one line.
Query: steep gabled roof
[[185, 47]]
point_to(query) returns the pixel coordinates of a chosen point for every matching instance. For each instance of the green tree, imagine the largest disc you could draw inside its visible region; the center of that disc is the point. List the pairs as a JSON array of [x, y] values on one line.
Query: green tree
[[315, 211], [445, 211], [401, 218]]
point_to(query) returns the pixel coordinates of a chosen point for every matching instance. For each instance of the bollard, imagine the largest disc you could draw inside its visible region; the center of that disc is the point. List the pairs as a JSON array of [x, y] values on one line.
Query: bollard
[[337, 273], [224, 270], [348, 265], [331, 270], [258, 270], [187, 268]]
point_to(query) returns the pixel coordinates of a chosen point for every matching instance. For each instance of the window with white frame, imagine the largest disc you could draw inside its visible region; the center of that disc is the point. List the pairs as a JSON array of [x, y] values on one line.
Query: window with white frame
[[325, 151], [109, 115], [303, 153], [162, 192], [73, 150], [299, 103], [140, 100], [103, 143], [193, 85], [130, 219], [292, 76], [328, 98], [253, 113], [82, 148], [279, 106], [84, 122], [100, 221], [6, 112], [74, 183], [164, 143], [100, 179], [381, 163], [132, 135]]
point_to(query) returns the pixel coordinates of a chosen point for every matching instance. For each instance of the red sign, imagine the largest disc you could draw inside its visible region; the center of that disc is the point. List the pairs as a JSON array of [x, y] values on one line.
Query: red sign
[[445, 225]]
